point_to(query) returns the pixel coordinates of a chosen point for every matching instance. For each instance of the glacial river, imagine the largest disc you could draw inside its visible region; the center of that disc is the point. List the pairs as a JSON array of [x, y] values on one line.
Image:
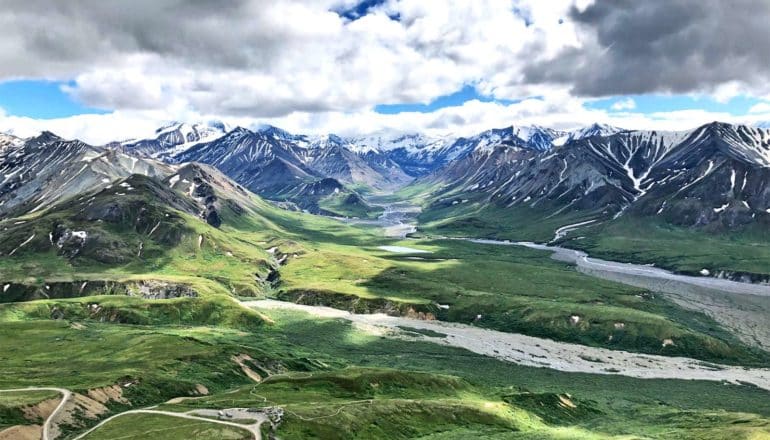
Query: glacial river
[[743, 308]]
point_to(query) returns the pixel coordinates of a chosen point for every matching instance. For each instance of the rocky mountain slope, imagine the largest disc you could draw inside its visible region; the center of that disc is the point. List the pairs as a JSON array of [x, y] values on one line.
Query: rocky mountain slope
[[173, 138], [714, 176], [7, 140], [47, 169]]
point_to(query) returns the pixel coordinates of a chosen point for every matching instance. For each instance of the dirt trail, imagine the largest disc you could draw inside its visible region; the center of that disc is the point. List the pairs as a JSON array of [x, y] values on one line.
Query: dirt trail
[[253, 428], [66, 396], [538, 352]]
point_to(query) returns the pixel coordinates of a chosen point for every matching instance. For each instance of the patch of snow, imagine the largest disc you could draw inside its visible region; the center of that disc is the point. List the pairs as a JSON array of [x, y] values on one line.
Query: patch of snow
[[21, 245]]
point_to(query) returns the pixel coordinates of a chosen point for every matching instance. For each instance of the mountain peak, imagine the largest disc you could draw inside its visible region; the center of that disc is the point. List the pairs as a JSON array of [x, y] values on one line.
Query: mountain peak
[[271, 130], [46, 137]]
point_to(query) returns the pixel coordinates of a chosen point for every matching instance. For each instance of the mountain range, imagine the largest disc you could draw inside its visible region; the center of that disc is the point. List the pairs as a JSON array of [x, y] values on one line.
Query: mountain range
[[713, 177]]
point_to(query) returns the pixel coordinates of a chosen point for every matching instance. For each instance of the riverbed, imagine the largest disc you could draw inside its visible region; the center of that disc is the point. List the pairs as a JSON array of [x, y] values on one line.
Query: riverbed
[[742, 308], [532, 351]]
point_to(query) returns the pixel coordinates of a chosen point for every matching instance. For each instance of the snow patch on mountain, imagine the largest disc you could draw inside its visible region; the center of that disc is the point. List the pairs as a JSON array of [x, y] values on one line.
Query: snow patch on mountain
[[592, 130]]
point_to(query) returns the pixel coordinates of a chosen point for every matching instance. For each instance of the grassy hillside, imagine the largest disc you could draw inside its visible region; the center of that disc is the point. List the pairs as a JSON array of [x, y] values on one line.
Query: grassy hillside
[[645, 240], [312, 368], [76, 317], [510, 289], [138, 426], [316, 260]]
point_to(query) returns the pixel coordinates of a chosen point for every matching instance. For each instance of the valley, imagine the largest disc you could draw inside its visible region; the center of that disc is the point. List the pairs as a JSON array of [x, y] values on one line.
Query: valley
[[327, 287]]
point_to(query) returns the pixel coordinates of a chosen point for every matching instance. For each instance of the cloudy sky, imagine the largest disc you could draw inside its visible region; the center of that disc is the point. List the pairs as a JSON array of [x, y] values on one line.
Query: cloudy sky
[[106, 70]]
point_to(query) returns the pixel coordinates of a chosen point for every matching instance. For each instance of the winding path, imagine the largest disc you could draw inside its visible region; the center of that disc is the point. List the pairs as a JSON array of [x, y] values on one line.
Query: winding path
[[253, 429], [66, 395]]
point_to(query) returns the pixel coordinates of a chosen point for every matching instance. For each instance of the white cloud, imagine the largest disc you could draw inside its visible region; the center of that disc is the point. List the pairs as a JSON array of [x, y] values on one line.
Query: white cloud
[[280, 56], [298, 65], [624, 104], [762, 107], [557, 110]]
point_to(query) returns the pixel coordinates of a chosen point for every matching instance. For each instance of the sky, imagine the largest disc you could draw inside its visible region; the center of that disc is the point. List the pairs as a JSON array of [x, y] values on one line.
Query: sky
[[104, 71]]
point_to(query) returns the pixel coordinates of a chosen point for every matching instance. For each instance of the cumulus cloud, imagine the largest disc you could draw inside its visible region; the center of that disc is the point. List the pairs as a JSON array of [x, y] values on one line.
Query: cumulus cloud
[[267, 58], [557, 111], [624, 104], [303, 65], [762, 107], [682, 46]]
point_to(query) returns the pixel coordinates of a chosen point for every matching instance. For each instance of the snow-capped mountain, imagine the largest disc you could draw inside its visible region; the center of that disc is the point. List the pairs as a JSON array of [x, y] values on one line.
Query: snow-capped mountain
[[261, 161], [9, 140], [174, 138], [717, 175], [595, 129], [339, 158], [46, 169], [419, 154]]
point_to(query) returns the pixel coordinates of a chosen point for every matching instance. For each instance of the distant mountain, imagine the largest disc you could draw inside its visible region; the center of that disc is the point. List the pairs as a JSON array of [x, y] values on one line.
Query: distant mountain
[[46, 169], [173, 139], [415, 154], [715, 176], [419, 155], [347, 162], [595, 129], [284, 167], [382, 160], [8, 140]]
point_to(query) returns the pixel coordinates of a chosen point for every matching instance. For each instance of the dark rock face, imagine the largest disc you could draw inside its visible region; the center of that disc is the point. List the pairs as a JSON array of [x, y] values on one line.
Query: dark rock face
[[260, 161], [716, 177], [15, 292]]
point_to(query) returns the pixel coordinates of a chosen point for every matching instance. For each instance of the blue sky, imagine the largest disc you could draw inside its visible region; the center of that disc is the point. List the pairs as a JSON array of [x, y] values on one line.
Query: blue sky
[[48, 100], [467, 93], [655, 103], [40, 100]]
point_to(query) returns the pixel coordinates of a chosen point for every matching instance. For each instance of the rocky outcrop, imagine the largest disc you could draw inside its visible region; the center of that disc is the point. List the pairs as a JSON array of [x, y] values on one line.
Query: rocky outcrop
[[356, 304], [16, 292]]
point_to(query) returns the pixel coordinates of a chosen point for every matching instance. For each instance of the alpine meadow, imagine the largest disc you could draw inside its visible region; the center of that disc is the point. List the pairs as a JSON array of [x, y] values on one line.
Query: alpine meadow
[[384, 219]]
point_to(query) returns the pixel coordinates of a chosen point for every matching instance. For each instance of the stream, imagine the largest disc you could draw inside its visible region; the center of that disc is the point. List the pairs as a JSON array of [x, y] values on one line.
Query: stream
[[742, 308]]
